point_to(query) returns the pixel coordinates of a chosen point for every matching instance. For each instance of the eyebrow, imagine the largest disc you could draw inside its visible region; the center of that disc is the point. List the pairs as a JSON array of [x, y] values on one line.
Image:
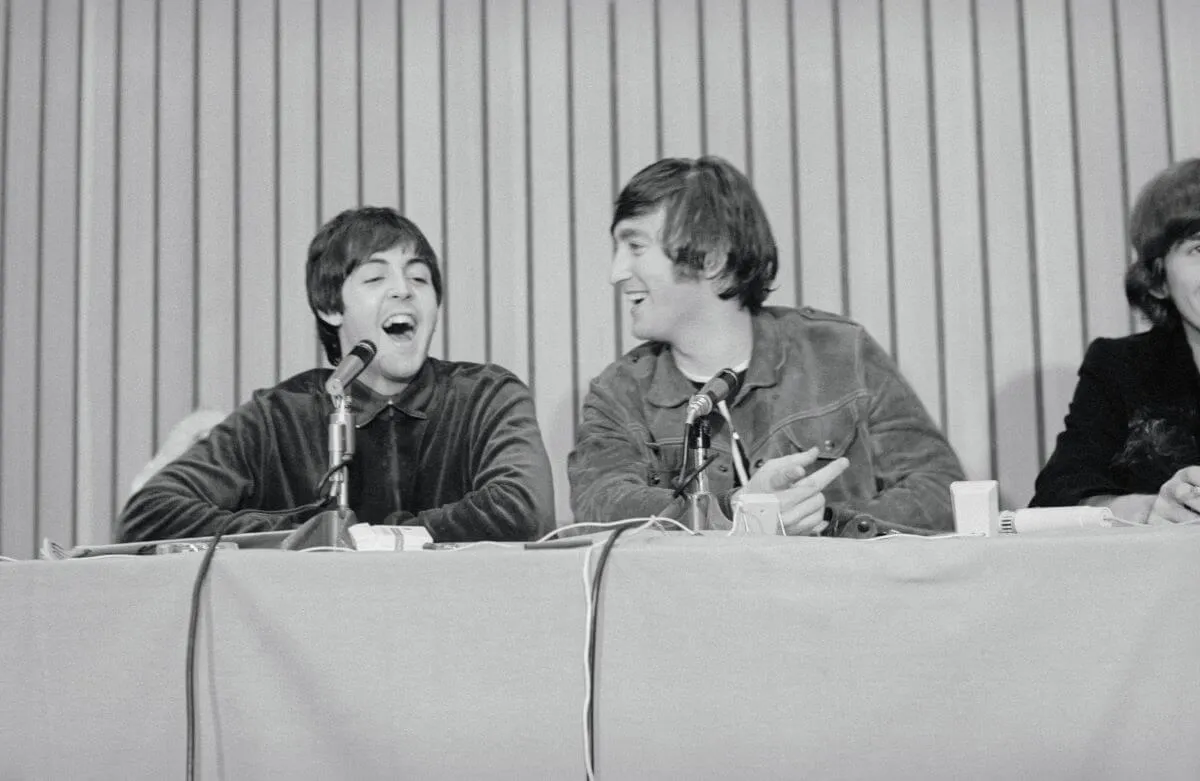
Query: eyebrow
[[630, 233], [423, 261]]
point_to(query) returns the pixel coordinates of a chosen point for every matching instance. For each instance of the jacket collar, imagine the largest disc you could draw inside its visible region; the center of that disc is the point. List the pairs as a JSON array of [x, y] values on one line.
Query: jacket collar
[[669, 388], [412, 401]]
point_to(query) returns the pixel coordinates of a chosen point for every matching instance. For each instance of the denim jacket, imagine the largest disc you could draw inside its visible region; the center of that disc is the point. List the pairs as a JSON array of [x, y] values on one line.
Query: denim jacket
[[815, 379], [458, 451]]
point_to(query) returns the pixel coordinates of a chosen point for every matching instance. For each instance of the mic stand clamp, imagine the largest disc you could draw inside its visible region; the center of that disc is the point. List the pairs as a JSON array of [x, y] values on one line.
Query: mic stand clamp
[[703, 510], [331, 528]]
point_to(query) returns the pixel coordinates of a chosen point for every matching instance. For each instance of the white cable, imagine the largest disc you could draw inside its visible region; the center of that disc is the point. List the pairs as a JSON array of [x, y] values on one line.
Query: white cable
[[477, 543], [610, 524], [734, 442], [898, 535], [589, 760]]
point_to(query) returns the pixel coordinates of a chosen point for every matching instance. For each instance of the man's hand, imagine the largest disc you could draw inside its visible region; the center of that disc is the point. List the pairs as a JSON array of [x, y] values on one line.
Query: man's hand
[[1178, 500], [801, 497]]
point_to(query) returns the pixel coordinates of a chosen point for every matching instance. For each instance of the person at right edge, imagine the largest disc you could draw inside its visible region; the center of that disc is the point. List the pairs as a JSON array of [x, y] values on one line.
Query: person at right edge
[[1129, 441], [695, 260]]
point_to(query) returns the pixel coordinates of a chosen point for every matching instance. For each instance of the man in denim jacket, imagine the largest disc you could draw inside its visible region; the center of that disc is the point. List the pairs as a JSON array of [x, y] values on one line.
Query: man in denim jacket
[[828, 424]]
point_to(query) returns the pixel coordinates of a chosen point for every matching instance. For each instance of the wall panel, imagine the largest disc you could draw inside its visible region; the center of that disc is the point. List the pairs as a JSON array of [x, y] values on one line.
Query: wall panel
[[467, 283], [217, 200], [422, 121], [820, 156], [257, 242], [914, 262], [635, 124], [969, 416], [57, 378], [1101, 183], [1180, 19], [867, 201], [299, 210], [1008, 248], [176, 250], [550, 188], [96, 494], [137, 273], [591, 193], [1051, 170], [22, 275], [955, 174], [506, 187], [770, 141], [680, 80], [722, 25]]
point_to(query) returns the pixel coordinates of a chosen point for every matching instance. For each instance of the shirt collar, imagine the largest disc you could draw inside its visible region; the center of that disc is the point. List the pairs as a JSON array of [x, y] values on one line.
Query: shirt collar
[[669, 388], [412, 401]]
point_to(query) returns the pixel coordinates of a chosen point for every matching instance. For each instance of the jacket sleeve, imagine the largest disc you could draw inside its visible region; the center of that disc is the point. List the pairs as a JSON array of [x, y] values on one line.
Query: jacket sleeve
[[204, 487], [610, 468], [512, 496], [1094, 432], [914, 464]]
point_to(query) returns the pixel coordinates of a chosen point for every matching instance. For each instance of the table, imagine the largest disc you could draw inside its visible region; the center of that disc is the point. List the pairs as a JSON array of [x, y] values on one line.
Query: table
[[1061, 655]]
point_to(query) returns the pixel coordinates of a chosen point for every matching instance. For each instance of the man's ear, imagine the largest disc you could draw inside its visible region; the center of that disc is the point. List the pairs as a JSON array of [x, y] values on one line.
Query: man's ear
[[334, 319], [714, 264], [1160, 291]]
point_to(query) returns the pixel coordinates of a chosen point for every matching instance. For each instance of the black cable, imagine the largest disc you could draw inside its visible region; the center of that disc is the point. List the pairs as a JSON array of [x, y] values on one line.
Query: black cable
[[194, 616], [591, 657], [193, 620], [687, 431], [692, 475], [330, 473]]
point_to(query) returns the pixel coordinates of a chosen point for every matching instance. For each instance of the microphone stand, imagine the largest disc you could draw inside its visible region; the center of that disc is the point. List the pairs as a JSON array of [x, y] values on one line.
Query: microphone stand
[[330, 528], [703, 510]]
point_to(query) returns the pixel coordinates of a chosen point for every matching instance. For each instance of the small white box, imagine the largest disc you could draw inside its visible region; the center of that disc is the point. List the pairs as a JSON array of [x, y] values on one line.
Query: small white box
[[976, 507]]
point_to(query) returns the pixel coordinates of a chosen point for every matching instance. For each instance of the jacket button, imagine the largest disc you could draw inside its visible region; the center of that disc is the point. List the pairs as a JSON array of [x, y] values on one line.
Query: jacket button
[[722, 468], [828, 444], [654, 480], [758, 464]]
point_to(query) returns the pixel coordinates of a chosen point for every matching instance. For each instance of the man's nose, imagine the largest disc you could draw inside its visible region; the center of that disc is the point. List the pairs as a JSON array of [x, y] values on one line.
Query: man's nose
[[620, 268], [401, 289]]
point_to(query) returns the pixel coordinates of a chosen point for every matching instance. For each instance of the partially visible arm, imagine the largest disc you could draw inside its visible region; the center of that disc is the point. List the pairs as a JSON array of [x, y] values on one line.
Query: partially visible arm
[[610, 467], [1129, 507], [208, 483], [513, 493], [914, 464], [1094, 432]]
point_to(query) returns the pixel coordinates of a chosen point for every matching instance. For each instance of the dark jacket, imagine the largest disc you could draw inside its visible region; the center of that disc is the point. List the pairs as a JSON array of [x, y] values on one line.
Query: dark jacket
[[815, 379], [1132, 422], [458, 451]]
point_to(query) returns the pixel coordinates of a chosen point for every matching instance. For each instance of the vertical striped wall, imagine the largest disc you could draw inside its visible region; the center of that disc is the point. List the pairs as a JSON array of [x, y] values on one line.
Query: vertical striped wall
[[952, 173]]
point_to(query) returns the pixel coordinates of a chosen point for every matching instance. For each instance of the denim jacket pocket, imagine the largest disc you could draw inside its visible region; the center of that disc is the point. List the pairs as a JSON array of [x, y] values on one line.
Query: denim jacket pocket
[[833, 431], [664, 467], [836, 433]]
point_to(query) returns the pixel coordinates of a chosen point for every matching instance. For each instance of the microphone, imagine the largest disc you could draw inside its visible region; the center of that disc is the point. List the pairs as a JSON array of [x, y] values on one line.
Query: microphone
[[719, 388], [350, 367]]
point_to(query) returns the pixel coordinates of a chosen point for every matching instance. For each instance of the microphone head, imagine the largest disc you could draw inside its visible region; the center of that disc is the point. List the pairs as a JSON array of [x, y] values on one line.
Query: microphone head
[[364, 351], [350, 367], [730, 378]]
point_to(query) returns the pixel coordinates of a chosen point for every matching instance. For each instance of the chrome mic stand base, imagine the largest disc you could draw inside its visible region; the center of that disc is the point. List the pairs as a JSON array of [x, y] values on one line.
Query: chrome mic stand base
[[704, 514], [327, 529]]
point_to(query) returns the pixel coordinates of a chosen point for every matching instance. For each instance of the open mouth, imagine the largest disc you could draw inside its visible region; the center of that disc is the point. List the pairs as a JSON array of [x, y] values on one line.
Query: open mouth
[[401, 328]]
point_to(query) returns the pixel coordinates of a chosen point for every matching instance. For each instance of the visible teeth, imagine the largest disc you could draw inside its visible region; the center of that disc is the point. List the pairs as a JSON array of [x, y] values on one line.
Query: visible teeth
[[399, 320], [399, 325]]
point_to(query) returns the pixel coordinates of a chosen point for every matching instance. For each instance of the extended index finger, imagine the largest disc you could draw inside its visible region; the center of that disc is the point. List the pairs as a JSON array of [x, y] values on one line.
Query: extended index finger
[[826, 474]]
